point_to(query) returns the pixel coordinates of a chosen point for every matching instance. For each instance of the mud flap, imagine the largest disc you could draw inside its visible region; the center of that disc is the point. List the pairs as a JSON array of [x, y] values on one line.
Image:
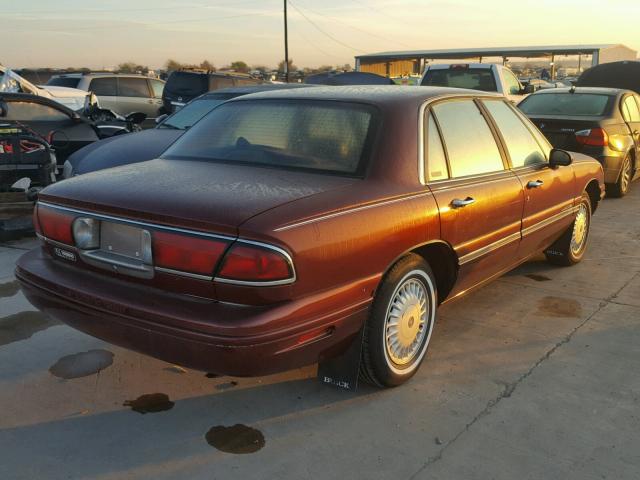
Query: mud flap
[[343, 371]]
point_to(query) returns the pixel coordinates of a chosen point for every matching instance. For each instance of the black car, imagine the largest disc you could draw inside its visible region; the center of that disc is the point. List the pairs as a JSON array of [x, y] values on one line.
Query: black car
[[603, 123], [184, 86], [149, 144], [348, 78], [624, 75]]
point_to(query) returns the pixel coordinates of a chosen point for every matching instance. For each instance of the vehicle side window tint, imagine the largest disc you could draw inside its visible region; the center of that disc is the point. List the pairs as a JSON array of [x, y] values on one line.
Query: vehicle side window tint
[[521, 144], [33, 112], [632, 108], [105, 87], [468, 140], [157, 86], [133, 87], [511, 83], [435, 159]]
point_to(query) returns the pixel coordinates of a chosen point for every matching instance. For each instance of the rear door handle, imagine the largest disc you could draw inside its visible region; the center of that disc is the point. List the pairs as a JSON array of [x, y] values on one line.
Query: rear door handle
[[535, 184], [457, 203]]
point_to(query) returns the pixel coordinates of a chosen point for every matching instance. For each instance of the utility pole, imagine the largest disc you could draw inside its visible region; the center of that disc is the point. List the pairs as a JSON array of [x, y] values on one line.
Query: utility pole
[[286, 45]]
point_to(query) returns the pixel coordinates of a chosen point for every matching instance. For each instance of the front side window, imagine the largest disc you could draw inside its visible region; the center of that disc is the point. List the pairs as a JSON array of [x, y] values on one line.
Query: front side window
[[566, 103], [632, 109], [435, 157], [511, 83], [133, 87], [103, 87], [311, 135], [157, 86], [523, 148], [461, 77], [33, 112], [470, 145]]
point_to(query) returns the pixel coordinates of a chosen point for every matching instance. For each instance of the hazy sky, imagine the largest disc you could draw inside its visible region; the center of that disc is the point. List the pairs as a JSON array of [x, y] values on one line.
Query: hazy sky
[[61, 33]]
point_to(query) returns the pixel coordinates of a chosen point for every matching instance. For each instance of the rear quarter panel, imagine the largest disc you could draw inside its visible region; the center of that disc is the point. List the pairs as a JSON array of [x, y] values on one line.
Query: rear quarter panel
[[585, 170]]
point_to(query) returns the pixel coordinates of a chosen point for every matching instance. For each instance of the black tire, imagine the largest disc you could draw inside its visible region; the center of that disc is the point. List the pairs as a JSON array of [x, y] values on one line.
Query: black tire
[[564, 252], [621, 187], [411, 275]]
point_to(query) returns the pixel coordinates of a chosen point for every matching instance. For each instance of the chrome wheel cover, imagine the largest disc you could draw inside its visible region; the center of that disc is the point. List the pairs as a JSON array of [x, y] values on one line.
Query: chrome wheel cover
[[580, 230], [408, 321], [625, 179]]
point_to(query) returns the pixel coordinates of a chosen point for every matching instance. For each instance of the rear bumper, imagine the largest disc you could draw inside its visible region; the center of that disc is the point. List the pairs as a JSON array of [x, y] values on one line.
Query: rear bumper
[[201, 334]]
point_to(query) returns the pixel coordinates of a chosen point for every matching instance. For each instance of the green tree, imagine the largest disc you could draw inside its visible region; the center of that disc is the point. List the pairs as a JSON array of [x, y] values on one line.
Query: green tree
[[292, 67], [239, 66], [207, 65], [172, 65], [132, 67]]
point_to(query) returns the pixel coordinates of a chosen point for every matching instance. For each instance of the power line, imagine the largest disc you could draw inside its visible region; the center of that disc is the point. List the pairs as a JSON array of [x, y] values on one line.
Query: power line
[[312, 44], [386, 39], [323, 31], [380, 12]]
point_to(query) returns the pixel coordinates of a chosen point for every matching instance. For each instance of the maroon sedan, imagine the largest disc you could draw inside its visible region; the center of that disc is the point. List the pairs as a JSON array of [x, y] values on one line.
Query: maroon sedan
[[285, 222]]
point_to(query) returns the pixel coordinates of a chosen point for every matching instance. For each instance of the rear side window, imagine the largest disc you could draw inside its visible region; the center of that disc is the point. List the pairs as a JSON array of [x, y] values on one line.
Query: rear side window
[[105, 87], [315, 135], [473, 78], [70, 82], [570, 104], [632, 109], [33, 112], [157, 86], [470, 145], [511, 83], [186, 83], [192, 112], [435, 157], [523, 148], [133, 87]]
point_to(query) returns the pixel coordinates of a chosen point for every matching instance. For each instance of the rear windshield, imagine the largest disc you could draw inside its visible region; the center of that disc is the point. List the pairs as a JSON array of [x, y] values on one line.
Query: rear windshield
[[322, 136], [570, 104], [194, 111], [187, 83], [70, 82], [473, 78]]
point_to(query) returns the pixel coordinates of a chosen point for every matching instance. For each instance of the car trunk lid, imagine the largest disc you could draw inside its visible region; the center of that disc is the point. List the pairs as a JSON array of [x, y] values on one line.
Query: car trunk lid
[[560, 131]]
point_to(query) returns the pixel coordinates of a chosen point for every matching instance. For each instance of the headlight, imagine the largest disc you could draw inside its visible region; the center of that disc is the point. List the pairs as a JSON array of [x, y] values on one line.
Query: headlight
[[67, 169], [86, 233]]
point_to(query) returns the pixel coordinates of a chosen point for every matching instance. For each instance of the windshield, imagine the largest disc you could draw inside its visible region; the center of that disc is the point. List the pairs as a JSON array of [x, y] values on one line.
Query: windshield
[[570, 104], [473, 78], [193, 111], [310, 135], [13, 83], [71, 82]]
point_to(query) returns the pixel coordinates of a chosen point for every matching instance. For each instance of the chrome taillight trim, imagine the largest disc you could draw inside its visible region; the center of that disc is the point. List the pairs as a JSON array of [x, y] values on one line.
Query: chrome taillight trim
[[195, 233]]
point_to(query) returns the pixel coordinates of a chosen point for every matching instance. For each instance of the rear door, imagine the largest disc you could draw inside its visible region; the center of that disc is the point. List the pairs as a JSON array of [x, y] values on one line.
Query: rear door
[[631, 113], [479, 199], [134, 95], [548, 199]]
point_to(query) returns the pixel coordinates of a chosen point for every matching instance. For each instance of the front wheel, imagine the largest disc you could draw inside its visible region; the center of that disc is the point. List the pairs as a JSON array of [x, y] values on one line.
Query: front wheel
[[402, 317], [621, 187], [569, 249]]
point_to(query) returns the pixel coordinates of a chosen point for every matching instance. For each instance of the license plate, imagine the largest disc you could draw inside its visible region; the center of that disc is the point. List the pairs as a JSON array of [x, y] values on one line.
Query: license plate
[[125, 240]]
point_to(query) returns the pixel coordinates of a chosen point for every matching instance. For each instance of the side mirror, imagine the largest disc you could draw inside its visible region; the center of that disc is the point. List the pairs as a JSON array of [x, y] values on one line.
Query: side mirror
[[559, 158], [161, 118], [528, 89], [136, 117]]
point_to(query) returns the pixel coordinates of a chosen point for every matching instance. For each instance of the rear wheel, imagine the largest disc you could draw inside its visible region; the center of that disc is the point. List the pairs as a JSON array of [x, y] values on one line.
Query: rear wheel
[[569, 249], [621, 187], [402, 317]]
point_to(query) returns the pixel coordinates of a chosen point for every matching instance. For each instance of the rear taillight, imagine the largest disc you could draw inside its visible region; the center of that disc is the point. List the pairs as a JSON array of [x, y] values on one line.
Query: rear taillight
[[54, 224], [252, 263], [595, 137], [186, 253]]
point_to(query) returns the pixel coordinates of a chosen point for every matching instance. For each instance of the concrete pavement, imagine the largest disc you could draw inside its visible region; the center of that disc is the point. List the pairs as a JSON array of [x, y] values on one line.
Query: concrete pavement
[[534, 376]]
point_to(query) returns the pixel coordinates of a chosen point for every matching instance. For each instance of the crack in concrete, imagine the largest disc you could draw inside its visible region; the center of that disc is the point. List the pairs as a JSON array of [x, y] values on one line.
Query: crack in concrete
[[510, 387]]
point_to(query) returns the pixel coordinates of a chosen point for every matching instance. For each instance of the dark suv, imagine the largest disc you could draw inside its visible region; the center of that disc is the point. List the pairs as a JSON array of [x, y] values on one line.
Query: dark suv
[[184, 86]]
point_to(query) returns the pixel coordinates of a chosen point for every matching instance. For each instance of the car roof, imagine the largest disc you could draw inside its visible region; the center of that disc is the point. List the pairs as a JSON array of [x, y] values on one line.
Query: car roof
[[593, 90], [444, 66], [382, 95], [102, 74]]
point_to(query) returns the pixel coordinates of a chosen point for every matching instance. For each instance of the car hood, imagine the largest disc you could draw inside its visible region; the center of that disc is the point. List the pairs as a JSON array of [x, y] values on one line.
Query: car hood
[[63, 92], [189, 194], [123, 150]]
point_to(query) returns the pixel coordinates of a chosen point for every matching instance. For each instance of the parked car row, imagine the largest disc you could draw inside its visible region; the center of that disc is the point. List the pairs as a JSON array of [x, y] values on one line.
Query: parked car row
[[283, 223]]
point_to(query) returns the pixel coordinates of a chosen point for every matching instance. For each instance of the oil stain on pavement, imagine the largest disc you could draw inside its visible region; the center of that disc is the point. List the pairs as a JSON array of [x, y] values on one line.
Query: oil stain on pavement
[[238, 439], [559, 307], [9, 289], [537, 277], [23, 325], [82, 364], [150, 403]]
